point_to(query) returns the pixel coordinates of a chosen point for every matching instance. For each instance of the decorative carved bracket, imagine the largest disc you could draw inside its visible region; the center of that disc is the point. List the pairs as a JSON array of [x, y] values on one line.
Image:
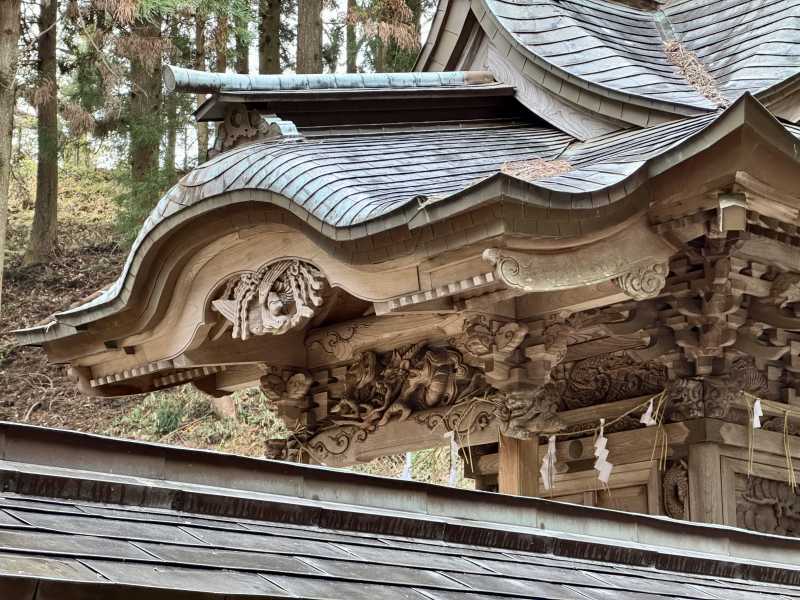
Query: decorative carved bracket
[[288, 392], [242, 126], [645, 281], [693, 398]]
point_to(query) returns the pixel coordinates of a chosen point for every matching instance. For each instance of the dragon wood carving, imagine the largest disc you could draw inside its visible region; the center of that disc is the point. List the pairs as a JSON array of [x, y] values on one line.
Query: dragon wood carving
[[382, 387], [278, 297]]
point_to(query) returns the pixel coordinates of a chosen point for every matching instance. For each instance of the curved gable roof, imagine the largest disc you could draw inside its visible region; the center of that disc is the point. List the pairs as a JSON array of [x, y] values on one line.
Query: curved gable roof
[[363, 183]]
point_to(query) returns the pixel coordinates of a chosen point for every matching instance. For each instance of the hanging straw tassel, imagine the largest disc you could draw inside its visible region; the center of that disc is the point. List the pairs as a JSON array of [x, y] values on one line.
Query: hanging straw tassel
[[548, 469]]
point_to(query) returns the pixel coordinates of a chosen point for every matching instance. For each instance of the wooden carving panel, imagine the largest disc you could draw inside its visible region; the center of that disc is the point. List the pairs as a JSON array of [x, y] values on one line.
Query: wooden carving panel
[[767, 505]]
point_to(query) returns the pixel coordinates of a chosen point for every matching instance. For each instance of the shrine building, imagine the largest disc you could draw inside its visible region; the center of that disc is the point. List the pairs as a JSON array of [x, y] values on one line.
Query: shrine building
[[568, 243]]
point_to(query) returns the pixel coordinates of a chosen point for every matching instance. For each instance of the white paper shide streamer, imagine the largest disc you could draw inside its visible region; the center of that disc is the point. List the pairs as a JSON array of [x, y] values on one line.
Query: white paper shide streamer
[[647, 418], [548, 469], [601, 465], [757, 414]]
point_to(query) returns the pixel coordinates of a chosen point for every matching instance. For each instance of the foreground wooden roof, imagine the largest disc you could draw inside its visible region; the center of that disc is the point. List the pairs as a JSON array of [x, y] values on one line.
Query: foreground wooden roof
[[86, 517]]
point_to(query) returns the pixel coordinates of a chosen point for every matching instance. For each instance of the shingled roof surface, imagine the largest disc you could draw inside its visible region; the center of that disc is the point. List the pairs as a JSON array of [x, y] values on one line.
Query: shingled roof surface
[[84, 517], [744, 46], [347, 179], [366, 181]]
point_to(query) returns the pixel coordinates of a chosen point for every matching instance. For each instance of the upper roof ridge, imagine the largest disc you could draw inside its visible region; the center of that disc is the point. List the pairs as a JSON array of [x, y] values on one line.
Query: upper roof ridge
[[190, 80]]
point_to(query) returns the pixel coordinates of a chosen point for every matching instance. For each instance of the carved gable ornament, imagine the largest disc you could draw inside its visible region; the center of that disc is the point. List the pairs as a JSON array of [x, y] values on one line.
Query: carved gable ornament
[[280, 296], [242, 126]]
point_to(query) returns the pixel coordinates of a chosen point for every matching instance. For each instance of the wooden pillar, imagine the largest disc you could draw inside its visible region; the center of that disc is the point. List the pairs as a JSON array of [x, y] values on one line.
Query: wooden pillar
[[705, 483], [518, 469]]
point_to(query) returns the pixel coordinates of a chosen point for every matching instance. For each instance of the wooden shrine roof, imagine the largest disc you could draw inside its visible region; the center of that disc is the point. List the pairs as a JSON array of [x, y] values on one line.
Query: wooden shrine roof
[[746, 46], [83, 516], [353, 183], [348, 98]]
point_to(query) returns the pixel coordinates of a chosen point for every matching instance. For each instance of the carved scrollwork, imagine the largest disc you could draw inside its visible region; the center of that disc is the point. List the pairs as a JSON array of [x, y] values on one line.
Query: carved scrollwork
[[676, 491], [511, 268], [693, 398], [684, 399], [606, 378], [280, 296], [645, 281], [339, 342]]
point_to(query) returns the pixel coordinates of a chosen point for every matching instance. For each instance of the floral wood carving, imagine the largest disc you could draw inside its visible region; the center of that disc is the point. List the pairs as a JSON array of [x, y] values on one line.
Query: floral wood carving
[[483, 336], [676, 491], [288, 392], [644, 282], [279, 297], [768, 506]]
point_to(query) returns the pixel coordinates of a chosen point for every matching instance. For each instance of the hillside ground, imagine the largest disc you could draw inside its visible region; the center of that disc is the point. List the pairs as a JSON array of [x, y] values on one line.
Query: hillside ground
[[90, 255]]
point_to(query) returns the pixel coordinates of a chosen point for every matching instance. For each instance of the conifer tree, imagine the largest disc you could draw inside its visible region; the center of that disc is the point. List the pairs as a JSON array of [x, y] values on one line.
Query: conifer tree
[[9, 36]]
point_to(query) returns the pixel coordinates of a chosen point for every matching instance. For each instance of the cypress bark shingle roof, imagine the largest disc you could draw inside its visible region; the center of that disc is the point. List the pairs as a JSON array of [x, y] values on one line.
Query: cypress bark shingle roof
[[349, 186], [746, 46]]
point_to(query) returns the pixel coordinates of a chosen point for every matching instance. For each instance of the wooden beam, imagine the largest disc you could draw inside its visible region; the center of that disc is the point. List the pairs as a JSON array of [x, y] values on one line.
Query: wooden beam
[[705, 483], [519, 467], [416, 433], [632, 446]]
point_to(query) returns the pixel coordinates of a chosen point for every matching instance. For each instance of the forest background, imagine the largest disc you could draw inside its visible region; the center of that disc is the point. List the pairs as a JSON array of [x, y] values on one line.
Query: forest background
[[89, 143]]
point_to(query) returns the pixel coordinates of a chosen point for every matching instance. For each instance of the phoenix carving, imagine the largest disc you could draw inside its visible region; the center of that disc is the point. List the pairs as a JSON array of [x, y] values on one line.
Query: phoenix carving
[[278, 297]]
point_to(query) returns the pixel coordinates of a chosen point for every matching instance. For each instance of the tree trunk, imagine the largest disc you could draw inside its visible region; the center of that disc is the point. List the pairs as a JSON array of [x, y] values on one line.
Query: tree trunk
[[145, 106], [200, 65], [309, 36], [242, 48], [352, 42], [9, 37], [221, 44], [221, 47], [45, 213], [269, 40], [380, 56]]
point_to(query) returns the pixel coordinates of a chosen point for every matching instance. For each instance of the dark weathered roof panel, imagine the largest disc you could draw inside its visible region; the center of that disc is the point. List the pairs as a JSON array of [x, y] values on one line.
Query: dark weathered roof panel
[[508, 556]]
